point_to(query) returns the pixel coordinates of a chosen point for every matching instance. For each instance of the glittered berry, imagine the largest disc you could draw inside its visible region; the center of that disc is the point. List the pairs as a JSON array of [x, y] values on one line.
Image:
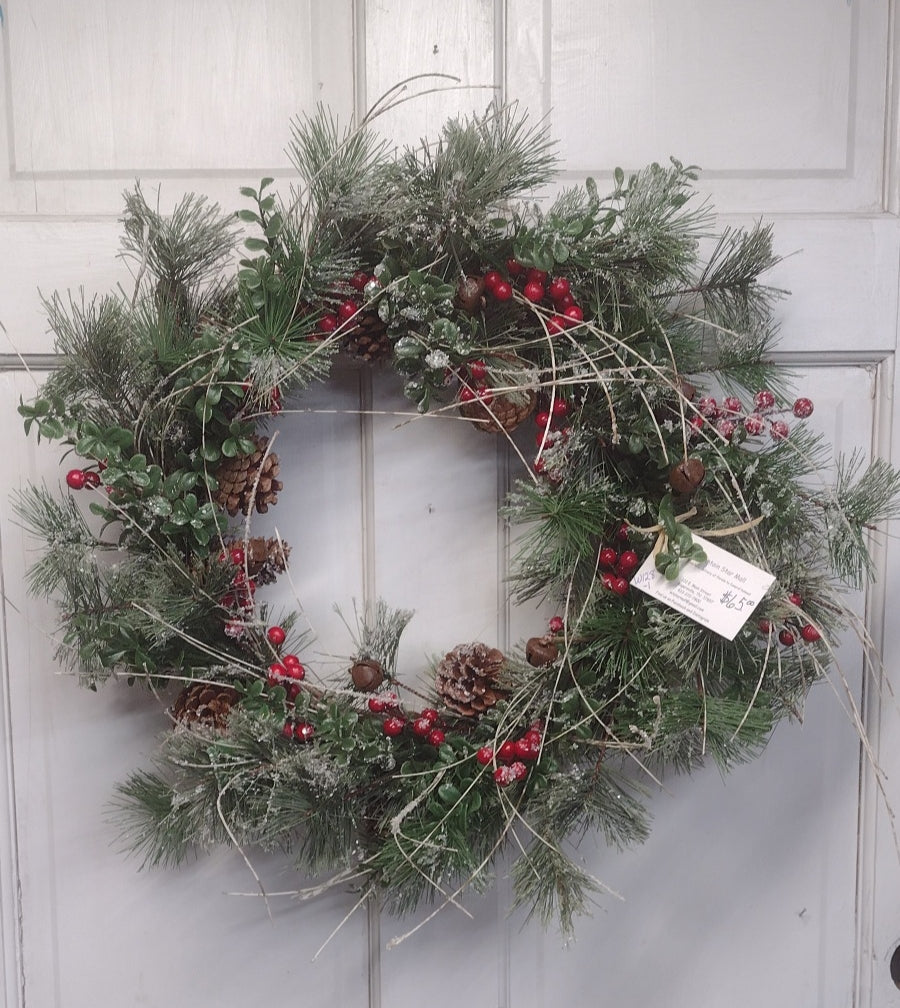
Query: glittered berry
[[491, 279], [803, 408], [76, 478], [556, 624], [754, 424], [235, 629], [503, 776], [726, 428], [507, 751], [786, 638], [518, 770], [764, 399], [559, 287], [485, 755], [502, 290], [708, 407], [276, 635], [347, 309], [810, 634], [514, 267], [436, 737], [560, 409], [574, 314], [477, 369], [732, 405], [533, 292], [525, 750], [429, 713], [304, 731], [277, 671], [608, 557], [422, 726], [778, 430], [393, 726], [328, 323]]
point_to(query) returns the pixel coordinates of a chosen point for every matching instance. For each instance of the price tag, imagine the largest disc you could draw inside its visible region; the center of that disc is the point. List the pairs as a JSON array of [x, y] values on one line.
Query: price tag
[[720, 594]]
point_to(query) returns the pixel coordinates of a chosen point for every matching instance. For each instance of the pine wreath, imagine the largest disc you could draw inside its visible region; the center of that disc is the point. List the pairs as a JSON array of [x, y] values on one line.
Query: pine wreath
[[591, 325]]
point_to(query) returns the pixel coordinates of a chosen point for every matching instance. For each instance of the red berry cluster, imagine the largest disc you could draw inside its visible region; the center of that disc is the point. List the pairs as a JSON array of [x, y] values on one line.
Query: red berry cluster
[[429, 726], [552, 432], [288, 671], [763, 416], [347, 310], [78, 479], [538, 288], [618, 567], [243, 588], [513, 754], [793, 627], [301, 731], [474, 384]]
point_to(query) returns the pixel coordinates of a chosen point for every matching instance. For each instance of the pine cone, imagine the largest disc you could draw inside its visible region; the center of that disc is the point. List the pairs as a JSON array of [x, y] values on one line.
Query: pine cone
[[368, 339], [506, 410], [237, 478], [466, 679], [204, 703], [265, 558]]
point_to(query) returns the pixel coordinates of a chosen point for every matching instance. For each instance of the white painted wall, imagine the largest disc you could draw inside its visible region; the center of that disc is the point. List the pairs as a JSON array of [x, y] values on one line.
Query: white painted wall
[[779, 886]]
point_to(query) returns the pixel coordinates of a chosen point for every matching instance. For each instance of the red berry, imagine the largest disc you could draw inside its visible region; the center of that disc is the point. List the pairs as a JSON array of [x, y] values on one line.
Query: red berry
[[234, 629], [560, 408], [518, 770], [726, 428], [484, 394], [485, 755], [477, 370], [347, 309], [290, 661], [535, 735], [779, 430], [503, 776], [786, 638], [466, 394], [236, 556], [304, 731], [542, 419], [429, 713], [359, 280], [539, 466], [422, 726], [491, 279], [525, 749], [556, 624], [436, 737], [76, 478], [765, 626], [732, 405], [276, 635], [507, 751], [559, 287], [810, 634], [556, 324], [293, 690], [514, 267], [803, 408], [754, 424], [533, 292], [536, 276], [296, 672], [91, 478], [377, 705], [608, 557], [394, 726], [328, 323], [574, 314], [502, 290], [277, 670], [620, 586], [628, 561], [795, 598], [608, 580], [708, 407], [288, 730], [390, 699], [764, 399], [622, 531]]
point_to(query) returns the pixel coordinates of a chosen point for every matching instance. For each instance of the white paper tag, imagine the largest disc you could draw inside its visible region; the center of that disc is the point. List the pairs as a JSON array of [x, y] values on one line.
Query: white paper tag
[[720, 594]]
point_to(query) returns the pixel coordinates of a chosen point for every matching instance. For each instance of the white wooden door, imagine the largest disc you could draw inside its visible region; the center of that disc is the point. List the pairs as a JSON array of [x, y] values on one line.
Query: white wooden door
[[779, 886]]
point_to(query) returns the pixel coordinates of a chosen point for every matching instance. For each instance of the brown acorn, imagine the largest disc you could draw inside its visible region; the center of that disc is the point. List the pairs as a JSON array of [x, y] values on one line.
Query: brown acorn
[[687, 476], [687, 390], [541, 651], [470, 294], [367, 674]]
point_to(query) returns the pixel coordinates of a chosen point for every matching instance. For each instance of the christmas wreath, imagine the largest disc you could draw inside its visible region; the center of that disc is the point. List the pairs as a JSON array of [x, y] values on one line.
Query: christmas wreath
[[651, 428]]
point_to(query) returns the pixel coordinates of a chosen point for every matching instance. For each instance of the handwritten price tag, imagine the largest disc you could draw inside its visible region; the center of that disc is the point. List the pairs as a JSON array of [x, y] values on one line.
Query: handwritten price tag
[[719, 594]]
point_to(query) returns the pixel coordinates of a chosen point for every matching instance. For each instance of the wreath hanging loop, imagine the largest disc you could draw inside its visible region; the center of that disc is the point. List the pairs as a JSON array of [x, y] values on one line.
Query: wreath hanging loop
[[631, 379]]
